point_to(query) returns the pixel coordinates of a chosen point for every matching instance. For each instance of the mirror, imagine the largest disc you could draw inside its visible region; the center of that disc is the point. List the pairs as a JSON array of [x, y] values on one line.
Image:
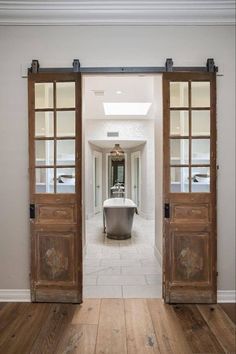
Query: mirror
[[116, 177]]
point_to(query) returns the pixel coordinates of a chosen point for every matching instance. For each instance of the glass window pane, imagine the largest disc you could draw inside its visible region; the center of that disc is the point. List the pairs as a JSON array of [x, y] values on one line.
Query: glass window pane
[[65, 152], [200, 122], [200, 94], [178, 94], [200, 151], [179, 123], [179, 151], [66, 123], [179, 177], [44, 180], [43, 95], [200, 177], [65, 180], [44, 124], [65, 94], [44, 152]]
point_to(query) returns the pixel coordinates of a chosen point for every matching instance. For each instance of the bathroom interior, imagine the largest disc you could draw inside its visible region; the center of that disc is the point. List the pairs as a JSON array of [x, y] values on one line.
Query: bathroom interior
[[122, 117]]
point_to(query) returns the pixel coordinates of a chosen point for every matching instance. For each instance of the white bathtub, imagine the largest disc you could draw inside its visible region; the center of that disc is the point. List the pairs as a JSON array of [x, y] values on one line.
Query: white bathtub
[[118, 216]]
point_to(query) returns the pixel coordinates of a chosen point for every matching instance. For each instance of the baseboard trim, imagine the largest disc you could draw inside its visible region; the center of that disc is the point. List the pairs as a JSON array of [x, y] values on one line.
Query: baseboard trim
[[226, 296], [15, 295], [23, 295]]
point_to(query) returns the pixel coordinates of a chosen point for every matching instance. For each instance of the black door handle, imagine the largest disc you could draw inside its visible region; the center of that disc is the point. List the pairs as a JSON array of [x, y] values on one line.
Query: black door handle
[[167, 210], [32, 211]]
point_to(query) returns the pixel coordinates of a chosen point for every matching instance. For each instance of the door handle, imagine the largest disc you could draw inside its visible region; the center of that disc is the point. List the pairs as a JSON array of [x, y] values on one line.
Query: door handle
[[32, 211], [167, 210]]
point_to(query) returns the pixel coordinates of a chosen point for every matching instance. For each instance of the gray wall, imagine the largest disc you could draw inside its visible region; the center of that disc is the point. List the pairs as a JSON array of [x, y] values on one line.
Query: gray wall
[[104, 46]]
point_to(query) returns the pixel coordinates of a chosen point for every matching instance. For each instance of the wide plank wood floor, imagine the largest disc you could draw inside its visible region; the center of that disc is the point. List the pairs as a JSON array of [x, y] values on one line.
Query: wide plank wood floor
[[115, 326]]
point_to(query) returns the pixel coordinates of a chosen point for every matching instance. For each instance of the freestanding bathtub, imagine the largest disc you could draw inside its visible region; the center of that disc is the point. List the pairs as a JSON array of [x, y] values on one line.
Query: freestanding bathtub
[[118, 214]]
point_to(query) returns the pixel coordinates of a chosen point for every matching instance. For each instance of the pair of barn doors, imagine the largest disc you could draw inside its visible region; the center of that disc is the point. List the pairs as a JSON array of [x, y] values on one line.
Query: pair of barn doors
[[189, 188]]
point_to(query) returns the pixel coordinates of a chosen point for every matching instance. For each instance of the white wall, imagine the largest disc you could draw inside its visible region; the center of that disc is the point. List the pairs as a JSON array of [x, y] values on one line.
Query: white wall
[[105, 46]]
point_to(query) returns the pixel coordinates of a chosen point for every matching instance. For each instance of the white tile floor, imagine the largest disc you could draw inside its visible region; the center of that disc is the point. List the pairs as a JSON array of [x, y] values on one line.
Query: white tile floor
[[125, 268]]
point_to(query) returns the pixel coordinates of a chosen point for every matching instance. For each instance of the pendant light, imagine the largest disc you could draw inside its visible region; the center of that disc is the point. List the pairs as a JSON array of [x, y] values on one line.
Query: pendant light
[[117, 153]]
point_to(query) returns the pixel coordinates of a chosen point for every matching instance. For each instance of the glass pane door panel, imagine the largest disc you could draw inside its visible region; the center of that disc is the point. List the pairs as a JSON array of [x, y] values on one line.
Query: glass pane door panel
[[179, 177], [200, 94], [66, 152], [178, 94], [44, 180], [179, 151], [44, 152], [200, 177], [43, 95], [200, 151], [65, 180], [44, 124], [200, 123], [179, 123], [65, 94], [66, 123]]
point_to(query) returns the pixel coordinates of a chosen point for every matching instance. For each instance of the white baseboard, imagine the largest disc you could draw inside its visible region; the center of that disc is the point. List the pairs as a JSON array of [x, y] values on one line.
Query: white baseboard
[[15, 295], [23, 295], [226, 296]]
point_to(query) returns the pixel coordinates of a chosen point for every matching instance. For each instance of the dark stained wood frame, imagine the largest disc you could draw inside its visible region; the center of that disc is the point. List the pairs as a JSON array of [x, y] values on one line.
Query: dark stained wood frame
[[197, 294], [63, 292]]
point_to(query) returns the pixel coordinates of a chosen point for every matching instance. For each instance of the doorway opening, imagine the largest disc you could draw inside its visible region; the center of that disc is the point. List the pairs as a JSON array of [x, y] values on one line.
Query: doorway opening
[[122, 111], [116, 127]]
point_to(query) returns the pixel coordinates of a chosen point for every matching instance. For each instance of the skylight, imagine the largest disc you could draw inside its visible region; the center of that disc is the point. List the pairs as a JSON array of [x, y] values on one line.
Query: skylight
[[126, 108]]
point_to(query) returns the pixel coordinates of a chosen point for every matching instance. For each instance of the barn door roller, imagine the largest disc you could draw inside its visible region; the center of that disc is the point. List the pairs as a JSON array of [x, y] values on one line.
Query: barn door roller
[[169, 67]]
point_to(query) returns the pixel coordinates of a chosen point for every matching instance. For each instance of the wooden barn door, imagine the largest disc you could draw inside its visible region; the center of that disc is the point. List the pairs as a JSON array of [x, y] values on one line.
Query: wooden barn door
[[189, 187], [55, 186]]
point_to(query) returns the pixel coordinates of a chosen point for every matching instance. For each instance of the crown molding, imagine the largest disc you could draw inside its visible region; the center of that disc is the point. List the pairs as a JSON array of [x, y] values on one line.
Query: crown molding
[[118, 12]]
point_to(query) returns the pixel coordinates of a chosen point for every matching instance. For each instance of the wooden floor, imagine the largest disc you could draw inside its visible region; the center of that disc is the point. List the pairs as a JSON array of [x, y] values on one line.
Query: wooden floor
[[133, 326]]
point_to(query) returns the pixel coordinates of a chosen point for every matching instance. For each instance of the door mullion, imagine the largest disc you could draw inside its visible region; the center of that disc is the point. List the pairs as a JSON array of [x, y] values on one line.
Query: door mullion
[[190, 135], [55, 135]]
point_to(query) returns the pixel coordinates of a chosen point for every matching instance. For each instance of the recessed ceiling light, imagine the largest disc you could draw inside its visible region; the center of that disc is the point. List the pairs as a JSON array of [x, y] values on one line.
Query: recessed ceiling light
[[98, 92], [118, 92], [126, 108]]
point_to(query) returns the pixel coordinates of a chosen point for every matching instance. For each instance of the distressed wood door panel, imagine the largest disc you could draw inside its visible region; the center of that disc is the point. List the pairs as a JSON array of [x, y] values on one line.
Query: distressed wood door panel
[[189, 188], [54, 214], [55, 257], [55, 186]]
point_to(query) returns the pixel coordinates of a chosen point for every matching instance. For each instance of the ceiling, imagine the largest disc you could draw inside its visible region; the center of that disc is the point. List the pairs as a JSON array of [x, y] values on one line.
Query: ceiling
[[125, 144], [117, 12], [99, 89]]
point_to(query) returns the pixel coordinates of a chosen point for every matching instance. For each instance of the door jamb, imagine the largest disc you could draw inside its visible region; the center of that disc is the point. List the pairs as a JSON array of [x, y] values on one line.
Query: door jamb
[[97, 154], [133, 156]]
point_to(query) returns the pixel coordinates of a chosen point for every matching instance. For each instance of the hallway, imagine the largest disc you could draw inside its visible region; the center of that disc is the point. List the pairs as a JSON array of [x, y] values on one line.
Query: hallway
[[121, 269]]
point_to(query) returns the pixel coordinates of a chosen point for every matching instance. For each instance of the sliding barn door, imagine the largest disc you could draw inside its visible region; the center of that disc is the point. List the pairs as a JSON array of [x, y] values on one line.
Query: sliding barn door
[[55, 186], [189, 188]]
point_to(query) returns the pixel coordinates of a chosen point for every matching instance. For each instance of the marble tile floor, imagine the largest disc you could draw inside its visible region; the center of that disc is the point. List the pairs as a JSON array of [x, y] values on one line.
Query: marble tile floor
[[116, 269]]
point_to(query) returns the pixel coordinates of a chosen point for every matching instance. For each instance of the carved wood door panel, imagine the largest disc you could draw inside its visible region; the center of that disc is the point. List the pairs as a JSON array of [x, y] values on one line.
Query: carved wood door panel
[[189, 188], [55, 186]]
